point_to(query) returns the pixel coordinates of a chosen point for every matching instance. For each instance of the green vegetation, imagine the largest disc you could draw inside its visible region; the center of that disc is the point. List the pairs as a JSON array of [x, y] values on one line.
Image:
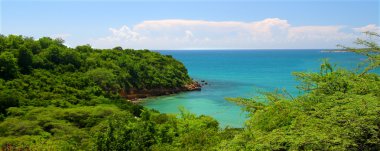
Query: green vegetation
[[58, 98], [340, 111], [45, 72]]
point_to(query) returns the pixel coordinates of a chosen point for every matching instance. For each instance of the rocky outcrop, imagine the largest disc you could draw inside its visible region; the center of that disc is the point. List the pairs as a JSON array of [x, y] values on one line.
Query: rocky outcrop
[[193, 86], [203, 83], [134, 94]]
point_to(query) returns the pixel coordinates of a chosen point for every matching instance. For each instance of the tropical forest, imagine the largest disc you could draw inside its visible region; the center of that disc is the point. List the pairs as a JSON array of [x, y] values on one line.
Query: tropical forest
[[54, 97]]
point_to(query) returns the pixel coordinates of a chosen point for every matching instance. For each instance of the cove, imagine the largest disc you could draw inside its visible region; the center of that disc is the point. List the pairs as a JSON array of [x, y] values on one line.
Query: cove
[[241, 73]]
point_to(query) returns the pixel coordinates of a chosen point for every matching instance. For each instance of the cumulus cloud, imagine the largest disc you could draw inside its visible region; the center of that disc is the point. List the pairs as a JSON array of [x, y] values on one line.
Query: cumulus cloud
[[124, 34], [370, 27], [187, 34], [61, 35]]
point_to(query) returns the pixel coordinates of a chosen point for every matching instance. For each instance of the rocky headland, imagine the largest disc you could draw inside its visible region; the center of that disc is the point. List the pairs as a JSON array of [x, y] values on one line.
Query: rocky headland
[[135, 95]]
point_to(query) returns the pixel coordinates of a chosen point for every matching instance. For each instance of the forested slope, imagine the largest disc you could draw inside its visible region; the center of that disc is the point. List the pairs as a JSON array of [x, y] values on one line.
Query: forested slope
[[45, 69], [58, 98]]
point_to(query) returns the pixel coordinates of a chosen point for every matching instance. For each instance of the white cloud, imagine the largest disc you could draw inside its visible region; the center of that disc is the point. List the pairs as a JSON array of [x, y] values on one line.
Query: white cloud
[[189, 34], [122, 34], [268, 33], [61, 35], [370, 27]]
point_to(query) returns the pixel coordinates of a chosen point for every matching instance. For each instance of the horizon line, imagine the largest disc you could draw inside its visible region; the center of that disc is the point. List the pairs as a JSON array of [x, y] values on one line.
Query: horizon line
[[245, 49]]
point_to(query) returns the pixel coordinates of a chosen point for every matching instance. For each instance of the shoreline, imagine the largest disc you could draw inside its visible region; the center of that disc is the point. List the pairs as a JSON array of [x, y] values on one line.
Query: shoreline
[[135, 96]]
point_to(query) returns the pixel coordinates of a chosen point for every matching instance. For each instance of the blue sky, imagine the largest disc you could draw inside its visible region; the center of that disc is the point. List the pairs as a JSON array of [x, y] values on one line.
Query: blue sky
[[193, 24]]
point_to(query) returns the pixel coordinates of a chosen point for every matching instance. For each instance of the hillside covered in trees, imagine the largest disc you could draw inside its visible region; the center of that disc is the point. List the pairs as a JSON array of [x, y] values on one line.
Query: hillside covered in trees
[[63, 95], [57, 98], [45, 69]]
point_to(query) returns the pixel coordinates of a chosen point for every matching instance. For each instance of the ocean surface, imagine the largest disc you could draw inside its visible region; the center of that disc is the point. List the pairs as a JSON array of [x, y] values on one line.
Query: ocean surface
[[242, 73]]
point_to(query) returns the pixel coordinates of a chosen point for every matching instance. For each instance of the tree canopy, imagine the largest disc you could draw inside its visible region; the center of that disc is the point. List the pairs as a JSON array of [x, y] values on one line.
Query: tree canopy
[[53, 97], [339, 111]]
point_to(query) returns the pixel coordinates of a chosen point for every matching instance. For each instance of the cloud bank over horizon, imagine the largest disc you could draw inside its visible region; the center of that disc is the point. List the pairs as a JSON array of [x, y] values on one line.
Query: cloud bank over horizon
[[270, 33]]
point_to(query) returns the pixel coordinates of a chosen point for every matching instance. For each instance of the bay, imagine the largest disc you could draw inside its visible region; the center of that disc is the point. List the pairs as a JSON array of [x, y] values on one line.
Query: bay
[[242, 73]]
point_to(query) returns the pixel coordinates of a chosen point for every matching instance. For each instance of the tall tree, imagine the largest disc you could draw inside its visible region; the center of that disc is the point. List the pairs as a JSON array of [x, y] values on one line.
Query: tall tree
[[25, 58], [8, 66]]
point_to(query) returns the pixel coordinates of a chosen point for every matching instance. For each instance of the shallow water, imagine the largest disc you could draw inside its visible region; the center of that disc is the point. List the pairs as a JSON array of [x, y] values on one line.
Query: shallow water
[[241, 73]]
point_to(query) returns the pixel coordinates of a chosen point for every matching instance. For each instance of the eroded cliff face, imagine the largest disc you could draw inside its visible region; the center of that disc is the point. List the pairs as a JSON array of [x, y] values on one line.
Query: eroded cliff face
[[134, 94]]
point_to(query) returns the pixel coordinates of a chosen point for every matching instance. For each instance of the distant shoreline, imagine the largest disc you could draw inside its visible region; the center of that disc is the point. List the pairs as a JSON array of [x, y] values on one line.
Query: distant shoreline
[[336, 50]]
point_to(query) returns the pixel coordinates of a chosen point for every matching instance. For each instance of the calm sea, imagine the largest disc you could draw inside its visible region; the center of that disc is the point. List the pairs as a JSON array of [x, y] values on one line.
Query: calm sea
[[241, 73]]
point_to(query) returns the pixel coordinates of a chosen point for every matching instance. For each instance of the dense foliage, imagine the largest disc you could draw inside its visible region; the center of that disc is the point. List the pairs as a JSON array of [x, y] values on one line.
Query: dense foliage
[[58, 98], [340, 111], [44, 72]]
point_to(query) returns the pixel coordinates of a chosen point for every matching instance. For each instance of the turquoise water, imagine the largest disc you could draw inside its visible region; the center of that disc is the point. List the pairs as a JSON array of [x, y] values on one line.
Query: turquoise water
[[241, 73]]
